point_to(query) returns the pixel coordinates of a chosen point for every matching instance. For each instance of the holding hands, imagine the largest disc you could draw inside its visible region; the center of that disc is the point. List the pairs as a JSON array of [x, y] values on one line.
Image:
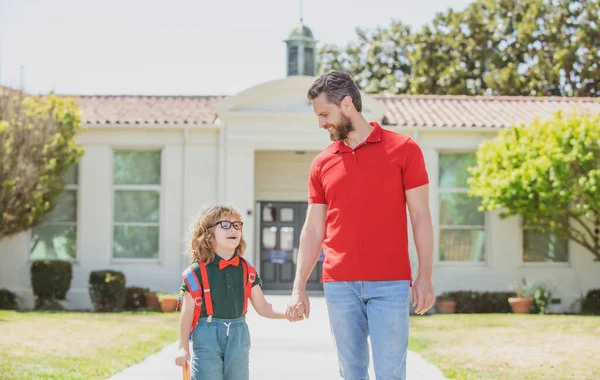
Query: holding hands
[[299, 307]]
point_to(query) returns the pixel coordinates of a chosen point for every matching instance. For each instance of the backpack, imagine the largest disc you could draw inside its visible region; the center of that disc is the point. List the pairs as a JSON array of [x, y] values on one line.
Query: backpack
[[203, 295]]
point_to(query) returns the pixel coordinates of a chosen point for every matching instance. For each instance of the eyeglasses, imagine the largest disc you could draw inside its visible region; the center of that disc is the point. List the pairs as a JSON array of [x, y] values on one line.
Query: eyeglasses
[[225, 224]]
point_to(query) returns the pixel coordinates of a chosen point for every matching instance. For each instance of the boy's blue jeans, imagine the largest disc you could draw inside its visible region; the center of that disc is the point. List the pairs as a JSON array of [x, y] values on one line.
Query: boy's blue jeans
[[221, 350], [378, 309]]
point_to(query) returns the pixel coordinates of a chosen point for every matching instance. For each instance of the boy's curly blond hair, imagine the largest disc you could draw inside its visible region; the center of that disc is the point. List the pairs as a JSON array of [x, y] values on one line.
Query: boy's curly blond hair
[[202, 243]]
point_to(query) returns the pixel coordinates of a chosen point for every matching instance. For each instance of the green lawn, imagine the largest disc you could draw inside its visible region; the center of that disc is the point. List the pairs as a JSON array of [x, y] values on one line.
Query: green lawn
[[520, 347], [67, 345]]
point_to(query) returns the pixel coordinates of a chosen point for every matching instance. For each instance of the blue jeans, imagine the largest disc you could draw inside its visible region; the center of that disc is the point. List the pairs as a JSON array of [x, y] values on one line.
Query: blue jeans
[[221, 350], [378, 309]]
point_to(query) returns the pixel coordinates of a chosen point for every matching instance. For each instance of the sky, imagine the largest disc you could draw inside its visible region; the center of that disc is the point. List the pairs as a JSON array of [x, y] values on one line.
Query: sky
[[175, 47]]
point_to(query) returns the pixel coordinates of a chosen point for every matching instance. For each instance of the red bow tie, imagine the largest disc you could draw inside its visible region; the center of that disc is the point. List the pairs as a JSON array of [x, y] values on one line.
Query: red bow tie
[[225, 263]]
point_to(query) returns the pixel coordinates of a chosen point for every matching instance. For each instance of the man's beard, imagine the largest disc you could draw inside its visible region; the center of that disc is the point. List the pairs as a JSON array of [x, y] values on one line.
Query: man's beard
[[340, 133]]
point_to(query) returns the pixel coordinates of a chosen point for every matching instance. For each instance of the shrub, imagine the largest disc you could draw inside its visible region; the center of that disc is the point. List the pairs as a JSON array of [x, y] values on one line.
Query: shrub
[[134, 298], [468, 302], [48, 304], [524, 290], [447, 296], [8, 300], [50, 280], [107, 290], [591, 303], [542, 297]]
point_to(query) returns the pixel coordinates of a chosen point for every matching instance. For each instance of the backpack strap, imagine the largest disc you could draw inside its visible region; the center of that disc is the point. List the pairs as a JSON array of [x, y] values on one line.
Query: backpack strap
[[249, 279], [207, 296], [194, 287]]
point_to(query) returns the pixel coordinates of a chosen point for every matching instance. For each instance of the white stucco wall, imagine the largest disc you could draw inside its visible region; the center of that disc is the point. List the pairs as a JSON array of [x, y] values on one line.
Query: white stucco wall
[[250, 156], [255, 168], [195, 167], [282, 175]]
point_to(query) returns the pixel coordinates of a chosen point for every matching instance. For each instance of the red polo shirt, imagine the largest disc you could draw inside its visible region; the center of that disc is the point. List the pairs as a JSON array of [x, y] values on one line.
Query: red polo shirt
[[366, 235]]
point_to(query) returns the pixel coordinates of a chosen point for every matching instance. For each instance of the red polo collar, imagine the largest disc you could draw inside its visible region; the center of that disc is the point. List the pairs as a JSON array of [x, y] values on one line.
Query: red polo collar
[[341, 147]]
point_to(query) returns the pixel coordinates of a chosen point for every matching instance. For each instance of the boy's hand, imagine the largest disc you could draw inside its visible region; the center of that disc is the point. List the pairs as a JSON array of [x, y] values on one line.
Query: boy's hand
[[298, 307], [182, 356]]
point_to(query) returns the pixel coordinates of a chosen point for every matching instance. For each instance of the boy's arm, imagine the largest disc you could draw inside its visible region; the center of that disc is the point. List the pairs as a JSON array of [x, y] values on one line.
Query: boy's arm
[[262, 307], [185, 321]]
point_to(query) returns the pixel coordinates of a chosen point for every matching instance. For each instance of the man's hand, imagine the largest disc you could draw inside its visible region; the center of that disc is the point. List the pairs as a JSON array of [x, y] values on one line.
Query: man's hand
[[182, 356], [417, 200], [298, 307], [423, 295]]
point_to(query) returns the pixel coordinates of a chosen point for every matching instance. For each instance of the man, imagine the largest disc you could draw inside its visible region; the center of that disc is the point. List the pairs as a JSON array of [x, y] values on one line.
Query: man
[[359, 188]]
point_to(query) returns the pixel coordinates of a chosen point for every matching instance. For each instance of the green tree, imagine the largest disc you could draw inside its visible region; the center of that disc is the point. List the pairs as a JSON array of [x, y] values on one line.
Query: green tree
[[378, 60], [548, 173], [473, 52], [563, 50], [37, 147], [495, 47]]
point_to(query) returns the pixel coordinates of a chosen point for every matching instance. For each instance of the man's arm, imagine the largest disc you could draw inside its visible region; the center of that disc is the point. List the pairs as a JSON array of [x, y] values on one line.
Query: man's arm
[[417, 200], [311, 239]]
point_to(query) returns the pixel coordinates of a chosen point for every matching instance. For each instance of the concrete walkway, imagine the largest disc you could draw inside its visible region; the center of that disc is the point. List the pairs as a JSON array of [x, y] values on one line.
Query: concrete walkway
[[281, 350]]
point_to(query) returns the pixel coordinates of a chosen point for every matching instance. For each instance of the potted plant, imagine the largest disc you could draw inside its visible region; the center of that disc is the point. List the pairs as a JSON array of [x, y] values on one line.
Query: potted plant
[[168, 302], [521, 304], [151, 299], [542, 298], [445, 304]]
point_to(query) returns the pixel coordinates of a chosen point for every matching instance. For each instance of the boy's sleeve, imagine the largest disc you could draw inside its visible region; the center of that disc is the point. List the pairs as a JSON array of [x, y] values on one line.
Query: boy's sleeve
[[183, 287], [258, 280]]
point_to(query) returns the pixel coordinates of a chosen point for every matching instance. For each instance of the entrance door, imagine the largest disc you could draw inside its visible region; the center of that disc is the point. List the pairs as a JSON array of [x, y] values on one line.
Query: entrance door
[[280, 227]]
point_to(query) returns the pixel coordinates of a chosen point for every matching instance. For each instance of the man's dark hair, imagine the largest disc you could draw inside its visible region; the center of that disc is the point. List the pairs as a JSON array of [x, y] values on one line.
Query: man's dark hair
[[336, 85]]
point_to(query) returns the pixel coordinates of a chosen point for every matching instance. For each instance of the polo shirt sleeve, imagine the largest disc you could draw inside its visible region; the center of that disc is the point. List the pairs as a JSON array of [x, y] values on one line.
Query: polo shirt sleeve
[[414, 172], [257, 281], [316, 192]]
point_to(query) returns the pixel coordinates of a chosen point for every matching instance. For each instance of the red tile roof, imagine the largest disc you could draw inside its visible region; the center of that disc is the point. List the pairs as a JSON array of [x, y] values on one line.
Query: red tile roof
[[6, 89], [422, 111], [129, 109], [477, 111]]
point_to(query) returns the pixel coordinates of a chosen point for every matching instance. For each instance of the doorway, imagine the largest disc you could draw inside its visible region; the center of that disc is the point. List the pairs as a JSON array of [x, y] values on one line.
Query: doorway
[[279, 238]]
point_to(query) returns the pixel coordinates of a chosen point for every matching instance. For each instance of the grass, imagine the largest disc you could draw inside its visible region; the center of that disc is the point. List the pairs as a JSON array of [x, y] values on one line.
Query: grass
[[508, 346], [67, 345]]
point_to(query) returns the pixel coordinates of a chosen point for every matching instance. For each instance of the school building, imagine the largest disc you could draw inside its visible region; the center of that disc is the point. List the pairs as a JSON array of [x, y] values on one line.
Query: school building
[[152, 162]]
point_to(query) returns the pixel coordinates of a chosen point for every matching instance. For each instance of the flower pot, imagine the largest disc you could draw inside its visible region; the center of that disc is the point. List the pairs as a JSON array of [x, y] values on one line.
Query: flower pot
[[168, 305], [520, 305], [151, 300], [445, 307]]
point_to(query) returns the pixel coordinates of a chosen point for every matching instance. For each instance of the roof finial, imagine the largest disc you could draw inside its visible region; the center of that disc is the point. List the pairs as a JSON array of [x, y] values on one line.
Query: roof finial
[[301, 14]]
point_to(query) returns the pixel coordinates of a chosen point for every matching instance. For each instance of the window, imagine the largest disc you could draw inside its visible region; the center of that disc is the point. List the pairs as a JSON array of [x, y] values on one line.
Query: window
[[544, 247], [55, 237], [293, 60], [309, 59], [136, 186], [462, 226]]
